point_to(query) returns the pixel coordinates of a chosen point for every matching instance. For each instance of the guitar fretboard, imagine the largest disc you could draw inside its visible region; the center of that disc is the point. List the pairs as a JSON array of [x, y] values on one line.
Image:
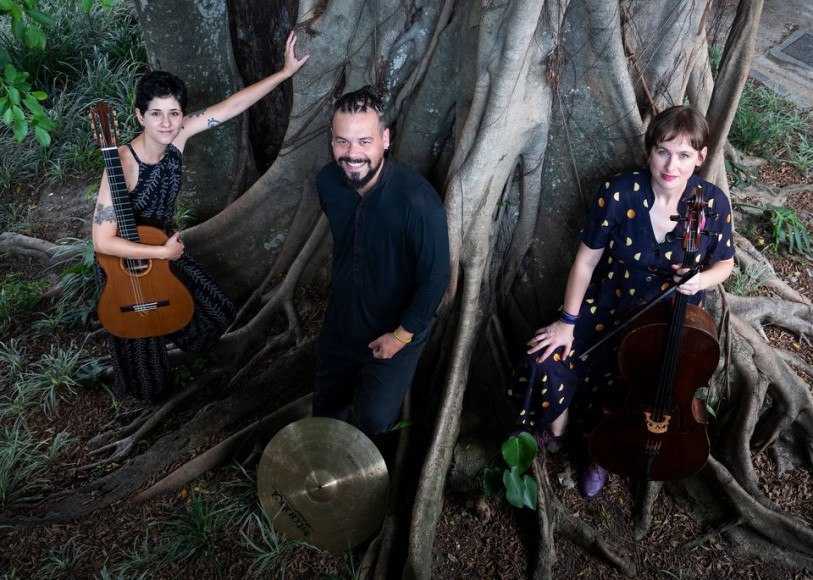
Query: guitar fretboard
[[122, 207]]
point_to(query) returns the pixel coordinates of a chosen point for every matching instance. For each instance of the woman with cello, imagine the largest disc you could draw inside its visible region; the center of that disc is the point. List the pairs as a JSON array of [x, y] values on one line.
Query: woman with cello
[[630, 251]]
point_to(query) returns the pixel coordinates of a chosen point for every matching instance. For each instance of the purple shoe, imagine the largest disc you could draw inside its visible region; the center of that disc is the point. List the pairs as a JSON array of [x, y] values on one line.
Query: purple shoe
[[592, 480], [545, 437]]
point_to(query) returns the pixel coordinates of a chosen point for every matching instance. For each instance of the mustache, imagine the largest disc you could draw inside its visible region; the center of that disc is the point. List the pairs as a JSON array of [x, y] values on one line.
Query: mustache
[[353, 160]]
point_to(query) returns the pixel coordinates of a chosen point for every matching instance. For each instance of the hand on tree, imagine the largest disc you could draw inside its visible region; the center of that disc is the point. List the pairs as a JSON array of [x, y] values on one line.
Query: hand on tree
[[292, 64]]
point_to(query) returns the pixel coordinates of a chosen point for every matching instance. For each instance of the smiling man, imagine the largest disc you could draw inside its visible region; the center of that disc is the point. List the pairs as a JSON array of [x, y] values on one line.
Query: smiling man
[[390, 269]]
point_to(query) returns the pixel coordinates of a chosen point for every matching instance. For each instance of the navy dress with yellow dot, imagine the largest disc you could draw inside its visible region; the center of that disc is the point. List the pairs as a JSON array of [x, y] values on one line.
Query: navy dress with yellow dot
[[634, 269]]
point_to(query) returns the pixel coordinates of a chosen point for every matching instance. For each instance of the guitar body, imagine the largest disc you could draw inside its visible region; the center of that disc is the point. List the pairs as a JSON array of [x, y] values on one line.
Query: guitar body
[[143, 298]]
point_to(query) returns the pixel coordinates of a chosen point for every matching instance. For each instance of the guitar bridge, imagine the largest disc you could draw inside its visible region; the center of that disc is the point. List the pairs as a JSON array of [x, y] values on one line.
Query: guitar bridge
[[144, 306]]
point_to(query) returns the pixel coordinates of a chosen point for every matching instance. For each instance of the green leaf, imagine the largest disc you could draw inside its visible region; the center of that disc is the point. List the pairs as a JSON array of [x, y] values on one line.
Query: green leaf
[[17, 25], [39, 95], [43, 121], [8, 116], [6, 5], [42, 18], [33, 105], [520, 451], [710, 410], [35, 37], [529, 492], [492, 481], [514, 487], [519, 491], [20, 129], [87, 5], [17, 113], [10, 73], [42, 136], [401, 425]]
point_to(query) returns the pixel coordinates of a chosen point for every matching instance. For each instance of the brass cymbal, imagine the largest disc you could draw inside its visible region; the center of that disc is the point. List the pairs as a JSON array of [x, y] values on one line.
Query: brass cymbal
[[324, 482]]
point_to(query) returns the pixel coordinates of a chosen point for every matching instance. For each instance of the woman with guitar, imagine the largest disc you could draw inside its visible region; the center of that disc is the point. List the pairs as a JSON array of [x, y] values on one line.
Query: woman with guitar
[[630, 251], [149, 169]]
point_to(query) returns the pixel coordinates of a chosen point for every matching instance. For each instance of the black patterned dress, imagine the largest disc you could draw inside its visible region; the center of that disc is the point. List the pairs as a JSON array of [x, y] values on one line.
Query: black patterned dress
[[141, 366], [633, 270]]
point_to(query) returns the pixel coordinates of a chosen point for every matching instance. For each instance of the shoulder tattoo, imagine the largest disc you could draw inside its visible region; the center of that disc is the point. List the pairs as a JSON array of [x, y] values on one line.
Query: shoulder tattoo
[[104, 213], [197, 113]]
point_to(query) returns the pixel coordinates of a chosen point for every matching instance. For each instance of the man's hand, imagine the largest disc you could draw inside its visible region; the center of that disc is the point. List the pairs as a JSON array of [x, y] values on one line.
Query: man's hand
[[387, 345]]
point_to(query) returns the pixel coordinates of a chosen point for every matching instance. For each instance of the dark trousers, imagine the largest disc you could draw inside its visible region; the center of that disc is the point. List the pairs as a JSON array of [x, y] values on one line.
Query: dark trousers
[[374, 387]]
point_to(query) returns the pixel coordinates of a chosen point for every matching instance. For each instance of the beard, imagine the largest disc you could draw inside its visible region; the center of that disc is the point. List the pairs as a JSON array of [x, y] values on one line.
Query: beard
[[356, 179]]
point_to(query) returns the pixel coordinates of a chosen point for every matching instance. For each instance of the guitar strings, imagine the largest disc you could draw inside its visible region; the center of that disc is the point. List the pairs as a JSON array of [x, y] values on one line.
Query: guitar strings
[[126, 225]]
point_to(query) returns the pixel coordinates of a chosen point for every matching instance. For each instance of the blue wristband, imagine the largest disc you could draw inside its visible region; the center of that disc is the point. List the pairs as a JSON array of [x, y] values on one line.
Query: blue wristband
[[568, 318]]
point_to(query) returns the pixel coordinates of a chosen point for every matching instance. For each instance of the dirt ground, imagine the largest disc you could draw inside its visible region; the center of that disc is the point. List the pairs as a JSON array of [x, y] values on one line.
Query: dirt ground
[[477, 537]]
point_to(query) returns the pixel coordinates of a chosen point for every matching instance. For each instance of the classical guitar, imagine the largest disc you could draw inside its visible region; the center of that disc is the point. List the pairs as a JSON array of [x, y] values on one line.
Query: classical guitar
[[141, 298]]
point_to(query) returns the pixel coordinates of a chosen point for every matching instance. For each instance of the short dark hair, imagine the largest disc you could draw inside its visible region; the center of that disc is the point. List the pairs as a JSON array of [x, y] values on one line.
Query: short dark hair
[[159, 84], [675, 121], [367, 97]]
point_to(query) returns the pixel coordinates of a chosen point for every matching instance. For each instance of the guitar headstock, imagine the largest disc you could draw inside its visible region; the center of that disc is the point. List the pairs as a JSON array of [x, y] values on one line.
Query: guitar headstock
[[105, 128]]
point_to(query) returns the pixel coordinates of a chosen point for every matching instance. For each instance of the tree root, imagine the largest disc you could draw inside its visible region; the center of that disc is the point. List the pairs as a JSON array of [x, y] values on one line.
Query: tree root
[[145, 423], [235, 342], [553, 514], [211, 419], [750, 258], [261, 430], [29, 247], [780, 528], [109, 433], [758, 311]]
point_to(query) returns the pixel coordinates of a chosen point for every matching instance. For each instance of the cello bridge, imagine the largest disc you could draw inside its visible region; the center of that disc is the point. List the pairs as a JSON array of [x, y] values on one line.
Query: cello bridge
[[657, 427]]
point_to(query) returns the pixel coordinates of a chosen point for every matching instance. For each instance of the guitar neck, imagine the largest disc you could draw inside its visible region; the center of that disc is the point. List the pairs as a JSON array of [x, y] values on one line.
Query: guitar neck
[[122, 207]]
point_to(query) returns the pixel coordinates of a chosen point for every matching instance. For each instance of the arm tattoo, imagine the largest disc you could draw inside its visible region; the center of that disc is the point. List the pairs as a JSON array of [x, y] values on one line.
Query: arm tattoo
[[104, 213], [210, 123]]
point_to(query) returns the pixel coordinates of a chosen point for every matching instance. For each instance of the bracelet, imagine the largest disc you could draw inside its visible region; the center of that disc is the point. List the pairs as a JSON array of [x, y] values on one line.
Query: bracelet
[[568, 318], [399, 339]]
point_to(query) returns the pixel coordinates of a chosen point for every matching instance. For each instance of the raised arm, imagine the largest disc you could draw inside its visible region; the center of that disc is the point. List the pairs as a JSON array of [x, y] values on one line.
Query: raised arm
[[232, 106]]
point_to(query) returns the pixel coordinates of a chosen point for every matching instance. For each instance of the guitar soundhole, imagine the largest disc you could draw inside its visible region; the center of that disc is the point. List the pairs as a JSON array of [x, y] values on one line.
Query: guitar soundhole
[[136, 267]]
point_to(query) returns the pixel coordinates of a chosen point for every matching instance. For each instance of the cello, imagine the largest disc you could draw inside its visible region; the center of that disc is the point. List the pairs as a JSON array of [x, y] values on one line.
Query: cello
[[667, 354]]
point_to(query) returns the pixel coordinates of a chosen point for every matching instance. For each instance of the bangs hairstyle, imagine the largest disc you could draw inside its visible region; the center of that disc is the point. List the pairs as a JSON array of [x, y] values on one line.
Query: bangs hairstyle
[[367, 97], [674, 122], [159, 84]]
